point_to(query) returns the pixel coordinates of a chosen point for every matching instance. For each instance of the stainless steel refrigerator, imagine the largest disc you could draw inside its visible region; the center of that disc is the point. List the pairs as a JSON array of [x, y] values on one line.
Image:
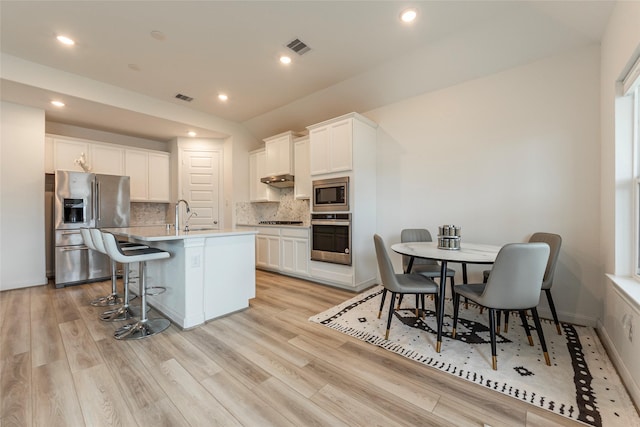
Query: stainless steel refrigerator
[[86, 200]]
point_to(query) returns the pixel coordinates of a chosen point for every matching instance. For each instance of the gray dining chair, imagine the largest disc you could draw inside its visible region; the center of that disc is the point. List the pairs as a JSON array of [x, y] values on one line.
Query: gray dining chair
[[514, 284], [400, 284], [427, 267], [554, 241]]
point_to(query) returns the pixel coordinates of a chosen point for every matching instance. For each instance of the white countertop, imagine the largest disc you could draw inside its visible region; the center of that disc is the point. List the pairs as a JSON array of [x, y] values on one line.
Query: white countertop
[[160, 233], [274, 225]]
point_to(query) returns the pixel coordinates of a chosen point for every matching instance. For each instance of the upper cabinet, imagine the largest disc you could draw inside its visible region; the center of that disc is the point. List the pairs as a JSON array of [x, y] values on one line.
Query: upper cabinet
[[279, 154], [149, 170], [107, 159], [159, 178], [302, 187], [258, 191], [332, 142], [136, 166], [67, 151]]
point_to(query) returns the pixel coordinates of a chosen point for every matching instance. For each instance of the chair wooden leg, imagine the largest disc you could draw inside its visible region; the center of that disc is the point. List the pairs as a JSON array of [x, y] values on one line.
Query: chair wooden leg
[[553, 310], [384, 295], [525, 325], [393, 298], [492, 333], [543, 343], [417, 306], [498, 317]]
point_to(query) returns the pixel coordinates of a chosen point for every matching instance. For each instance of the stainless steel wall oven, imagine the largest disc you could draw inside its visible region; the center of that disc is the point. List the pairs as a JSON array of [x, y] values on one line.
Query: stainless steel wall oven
[[331, 238]]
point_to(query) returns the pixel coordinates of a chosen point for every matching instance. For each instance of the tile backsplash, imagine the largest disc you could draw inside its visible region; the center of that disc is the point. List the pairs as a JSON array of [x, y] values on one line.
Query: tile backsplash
[[150, 214], [288, 209]]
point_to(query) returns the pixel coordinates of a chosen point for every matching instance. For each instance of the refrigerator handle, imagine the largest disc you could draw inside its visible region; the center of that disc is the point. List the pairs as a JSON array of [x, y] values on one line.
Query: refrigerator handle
[[97, 202]]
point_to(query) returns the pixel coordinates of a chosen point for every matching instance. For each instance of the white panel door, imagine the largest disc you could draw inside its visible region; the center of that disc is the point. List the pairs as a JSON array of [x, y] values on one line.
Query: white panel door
[[201, 187]]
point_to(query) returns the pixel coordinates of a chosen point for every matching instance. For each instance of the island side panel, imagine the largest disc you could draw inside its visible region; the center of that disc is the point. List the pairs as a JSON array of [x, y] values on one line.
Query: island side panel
[[229, 276], [182, 275]]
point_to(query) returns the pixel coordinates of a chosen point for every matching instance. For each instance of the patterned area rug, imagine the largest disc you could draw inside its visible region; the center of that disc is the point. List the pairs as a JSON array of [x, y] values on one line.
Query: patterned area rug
[[581, 384]]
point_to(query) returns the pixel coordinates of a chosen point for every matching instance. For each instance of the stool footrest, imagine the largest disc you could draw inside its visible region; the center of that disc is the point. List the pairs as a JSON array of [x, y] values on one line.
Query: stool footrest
[[122, 313], [136, 331], [155, 290], [113, 299]]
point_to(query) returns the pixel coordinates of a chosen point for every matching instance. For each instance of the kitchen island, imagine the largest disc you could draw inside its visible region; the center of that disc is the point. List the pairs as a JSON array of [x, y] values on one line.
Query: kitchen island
[[210, 273]]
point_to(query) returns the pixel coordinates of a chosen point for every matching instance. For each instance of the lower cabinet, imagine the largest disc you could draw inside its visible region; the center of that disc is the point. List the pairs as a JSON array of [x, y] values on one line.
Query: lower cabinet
[[295, 251], [268, 252], [285, 250]]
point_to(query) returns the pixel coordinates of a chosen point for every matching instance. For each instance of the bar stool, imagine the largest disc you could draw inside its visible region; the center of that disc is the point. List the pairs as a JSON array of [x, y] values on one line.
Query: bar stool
[[113, 298], [126, 311], [144, 327]]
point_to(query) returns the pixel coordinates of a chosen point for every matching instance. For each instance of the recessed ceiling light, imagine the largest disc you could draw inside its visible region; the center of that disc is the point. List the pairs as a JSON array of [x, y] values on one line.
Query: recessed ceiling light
[[158, 35], [57, 103], [223, 97], [285, 59], [191, 133], [408, 15], [65, 40]]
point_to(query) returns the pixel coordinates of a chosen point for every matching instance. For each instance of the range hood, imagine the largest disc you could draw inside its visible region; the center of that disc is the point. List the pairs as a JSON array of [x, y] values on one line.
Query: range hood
[[279, 181]]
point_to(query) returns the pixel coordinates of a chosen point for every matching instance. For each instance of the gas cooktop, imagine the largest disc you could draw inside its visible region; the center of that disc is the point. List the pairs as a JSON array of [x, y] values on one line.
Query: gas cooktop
[[281, 222]]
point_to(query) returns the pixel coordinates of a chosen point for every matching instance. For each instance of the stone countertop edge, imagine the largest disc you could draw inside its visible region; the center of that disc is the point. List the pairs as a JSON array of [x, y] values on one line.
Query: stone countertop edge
[[275, 225], [160, 233]]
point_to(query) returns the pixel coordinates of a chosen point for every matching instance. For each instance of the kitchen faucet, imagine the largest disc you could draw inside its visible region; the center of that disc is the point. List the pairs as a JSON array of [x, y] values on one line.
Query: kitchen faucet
[[186, 222], [178, 212]]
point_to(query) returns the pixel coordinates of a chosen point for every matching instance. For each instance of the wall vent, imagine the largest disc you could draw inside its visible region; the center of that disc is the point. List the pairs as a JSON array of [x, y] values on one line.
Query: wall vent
[[298, 46], [184, 97]]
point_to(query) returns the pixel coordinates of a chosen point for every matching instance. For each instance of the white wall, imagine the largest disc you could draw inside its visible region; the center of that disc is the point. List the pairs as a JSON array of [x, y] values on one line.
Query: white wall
[[620, 46], [22, 251], [503, 156]]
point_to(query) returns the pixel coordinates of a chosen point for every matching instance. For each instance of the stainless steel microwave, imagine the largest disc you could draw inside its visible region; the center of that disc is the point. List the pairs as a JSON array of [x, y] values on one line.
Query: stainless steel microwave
[[330, 195]]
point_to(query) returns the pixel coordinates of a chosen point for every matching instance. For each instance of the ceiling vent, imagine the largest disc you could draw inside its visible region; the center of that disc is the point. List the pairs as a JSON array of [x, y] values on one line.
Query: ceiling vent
[[184, 97], [298, 46]]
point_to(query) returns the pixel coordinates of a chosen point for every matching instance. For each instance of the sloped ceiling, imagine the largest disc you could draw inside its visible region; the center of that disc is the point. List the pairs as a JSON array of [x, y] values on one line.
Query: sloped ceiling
[[361, 56]]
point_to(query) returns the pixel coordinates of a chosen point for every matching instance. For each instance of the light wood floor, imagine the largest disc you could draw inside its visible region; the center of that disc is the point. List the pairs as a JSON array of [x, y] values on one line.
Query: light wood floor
[[267, 365]]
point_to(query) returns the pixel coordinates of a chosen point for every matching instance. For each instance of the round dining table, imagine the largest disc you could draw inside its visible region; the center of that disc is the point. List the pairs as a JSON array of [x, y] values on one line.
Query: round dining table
[[469, 253]]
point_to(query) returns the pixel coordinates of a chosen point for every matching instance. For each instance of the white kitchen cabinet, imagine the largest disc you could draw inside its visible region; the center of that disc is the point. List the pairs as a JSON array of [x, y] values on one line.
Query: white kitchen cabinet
[[149, 170], [159, 178], [149, 173], [294, 244], [302, 172], [258, 191], [67, 151], [279, 154], [268, 248], [346, 146], [136, 165], [107, 159], [283, 249], [331, 147]]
